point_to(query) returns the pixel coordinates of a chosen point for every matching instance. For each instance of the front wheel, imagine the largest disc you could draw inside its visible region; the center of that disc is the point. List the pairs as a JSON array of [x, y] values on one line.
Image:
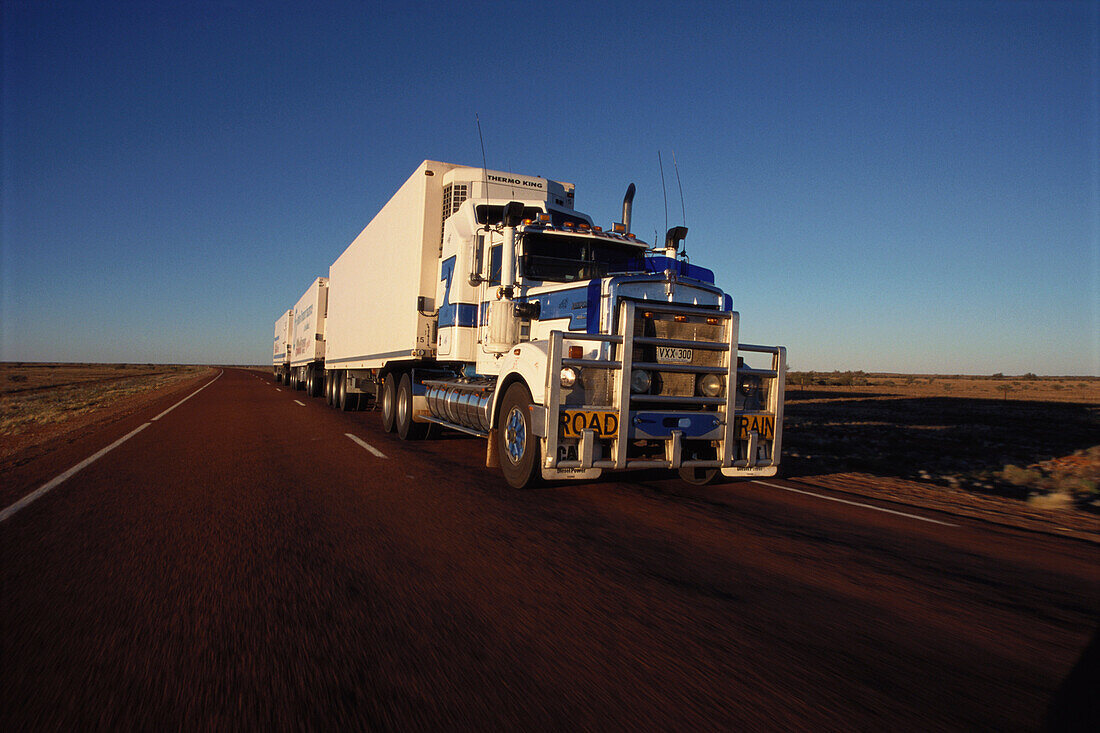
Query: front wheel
[[517, 444]]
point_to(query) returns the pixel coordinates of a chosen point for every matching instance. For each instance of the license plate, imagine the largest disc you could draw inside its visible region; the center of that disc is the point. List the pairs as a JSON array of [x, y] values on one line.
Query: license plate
[[606, 424], [763, 425], [673, 355]]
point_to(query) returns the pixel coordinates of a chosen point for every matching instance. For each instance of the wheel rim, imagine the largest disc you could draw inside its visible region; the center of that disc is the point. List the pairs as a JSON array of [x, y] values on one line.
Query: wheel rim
[[402, 408], [515, 435]]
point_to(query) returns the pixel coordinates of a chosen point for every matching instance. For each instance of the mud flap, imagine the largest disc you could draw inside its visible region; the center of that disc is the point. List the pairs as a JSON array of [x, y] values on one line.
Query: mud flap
[[492, 457]]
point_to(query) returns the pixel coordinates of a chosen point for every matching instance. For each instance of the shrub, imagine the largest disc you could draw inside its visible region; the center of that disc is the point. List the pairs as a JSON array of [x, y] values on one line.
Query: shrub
[[1020, 476], [1053, 500]]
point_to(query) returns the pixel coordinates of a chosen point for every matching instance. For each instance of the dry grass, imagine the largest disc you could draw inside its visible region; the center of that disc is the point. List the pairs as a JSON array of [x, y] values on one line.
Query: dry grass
[[1028, 388], [36, 396], [1027, 438]]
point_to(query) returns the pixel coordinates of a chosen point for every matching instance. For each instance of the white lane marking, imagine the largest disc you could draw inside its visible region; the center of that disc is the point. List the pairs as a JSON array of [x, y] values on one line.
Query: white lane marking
[[303, 404], [278, 390], [856, 503], [200, 389], [44, 488], [366, 445]]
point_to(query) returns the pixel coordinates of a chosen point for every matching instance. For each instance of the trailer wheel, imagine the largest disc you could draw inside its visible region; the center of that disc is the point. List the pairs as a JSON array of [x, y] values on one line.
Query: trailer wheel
[[316, 382], [348, 402], [406, 428], [389, 403], [330, 383], [517, 444]]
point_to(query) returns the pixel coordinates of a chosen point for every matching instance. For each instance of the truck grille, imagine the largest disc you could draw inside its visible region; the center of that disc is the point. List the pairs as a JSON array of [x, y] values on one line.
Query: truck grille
[[669, 383]]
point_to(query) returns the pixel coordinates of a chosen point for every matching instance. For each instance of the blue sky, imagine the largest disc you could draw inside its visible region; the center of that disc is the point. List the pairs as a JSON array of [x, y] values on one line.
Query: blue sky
[[882, 186]]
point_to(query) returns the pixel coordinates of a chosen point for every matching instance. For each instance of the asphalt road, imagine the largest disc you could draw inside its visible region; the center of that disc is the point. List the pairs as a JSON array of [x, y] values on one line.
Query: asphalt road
[[240, 562]]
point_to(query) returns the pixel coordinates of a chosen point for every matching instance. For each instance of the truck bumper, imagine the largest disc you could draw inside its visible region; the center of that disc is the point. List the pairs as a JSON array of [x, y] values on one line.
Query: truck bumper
[[683, 430]]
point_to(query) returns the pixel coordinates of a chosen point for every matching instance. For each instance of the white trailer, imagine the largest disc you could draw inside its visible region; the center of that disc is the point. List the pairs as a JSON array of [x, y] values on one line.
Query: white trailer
[[280, 358], [307, 351], [481, 301]]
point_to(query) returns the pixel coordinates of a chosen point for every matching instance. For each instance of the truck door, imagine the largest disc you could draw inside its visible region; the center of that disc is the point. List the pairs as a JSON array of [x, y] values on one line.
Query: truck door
[[488, 291]]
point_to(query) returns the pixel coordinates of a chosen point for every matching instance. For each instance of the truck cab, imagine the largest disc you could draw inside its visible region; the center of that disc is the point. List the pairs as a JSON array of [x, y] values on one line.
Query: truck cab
[[616, 354]]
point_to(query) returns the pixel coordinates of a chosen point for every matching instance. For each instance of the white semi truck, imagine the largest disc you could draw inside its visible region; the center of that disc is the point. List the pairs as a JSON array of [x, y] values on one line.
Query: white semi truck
[[307, 343], [481, 301], [280, 358]]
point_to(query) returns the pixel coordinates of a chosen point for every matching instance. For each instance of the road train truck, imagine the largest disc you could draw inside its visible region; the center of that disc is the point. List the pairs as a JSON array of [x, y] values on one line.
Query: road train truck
[[280, 358], [483, 302], [307, 339]]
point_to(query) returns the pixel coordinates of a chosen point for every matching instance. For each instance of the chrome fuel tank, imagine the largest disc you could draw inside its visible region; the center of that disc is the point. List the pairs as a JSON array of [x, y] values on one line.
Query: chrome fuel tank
[[461, 402]]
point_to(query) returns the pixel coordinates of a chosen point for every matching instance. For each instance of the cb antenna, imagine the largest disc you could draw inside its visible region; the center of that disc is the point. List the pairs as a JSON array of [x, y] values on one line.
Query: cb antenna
[[683, 211], [664, 193], [484, 172]]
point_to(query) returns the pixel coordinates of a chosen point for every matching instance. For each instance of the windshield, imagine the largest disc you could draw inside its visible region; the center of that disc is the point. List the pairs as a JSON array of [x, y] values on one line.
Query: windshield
[[566, 259]]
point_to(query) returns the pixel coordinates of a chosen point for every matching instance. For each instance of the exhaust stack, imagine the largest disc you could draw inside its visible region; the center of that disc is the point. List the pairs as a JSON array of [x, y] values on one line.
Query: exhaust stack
[[673, 237], [628, 204]]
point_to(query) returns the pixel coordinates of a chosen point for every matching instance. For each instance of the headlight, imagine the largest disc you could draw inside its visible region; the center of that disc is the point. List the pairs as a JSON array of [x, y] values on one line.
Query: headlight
[[711, 385], [640, 381], [568, 377]]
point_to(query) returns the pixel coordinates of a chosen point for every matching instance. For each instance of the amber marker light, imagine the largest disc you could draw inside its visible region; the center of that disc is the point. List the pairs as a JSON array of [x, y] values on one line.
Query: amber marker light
[[576, 352], [712, 321], [681, 319]]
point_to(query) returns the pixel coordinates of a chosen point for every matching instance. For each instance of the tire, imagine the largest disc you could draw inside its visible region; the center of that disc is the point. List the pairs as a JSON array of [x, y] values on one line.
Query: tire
[[698, 476], [517, 444], [316, 382], [330, 382], [406, 428], [347, 402], [389, 403]]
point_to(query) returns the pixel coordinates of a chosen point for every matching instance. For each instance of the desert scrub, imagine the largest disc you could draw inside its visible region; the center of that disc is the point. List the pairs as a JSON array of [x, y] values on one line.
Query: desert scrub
[[48, 404], [1061, 481], [1019, 476]]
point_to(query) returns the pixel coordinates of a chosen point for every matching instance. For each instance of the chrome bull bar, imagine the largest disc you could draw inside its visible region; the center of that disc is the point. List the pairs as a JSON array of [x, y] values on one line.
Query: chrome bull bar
[[725, 415]]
